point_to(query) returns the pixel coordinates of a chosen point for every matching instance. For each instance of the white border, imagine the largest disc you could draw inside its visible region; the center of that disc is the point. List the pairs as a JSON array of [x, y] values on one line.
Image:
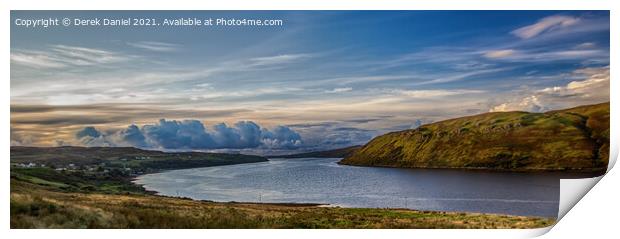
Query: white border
[[594, 216]]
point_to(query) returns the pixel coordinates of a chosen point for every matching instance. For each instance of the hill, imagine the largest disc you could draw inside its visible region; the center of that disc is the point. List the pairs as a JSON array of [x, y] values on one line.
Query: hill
[[334, 153], [123, 157], [575, 139]]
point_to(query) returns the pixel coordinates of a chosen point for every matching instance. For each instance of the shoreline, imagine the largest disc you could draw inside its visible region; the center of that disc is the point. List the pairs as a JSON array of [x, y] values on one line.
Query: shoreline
[[595, 172]]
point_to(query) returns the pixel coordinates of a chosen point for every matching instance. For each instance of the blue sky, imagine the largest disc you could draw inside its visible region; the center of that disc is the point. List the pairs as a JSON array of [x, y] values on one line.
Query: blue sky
[[325, 79]]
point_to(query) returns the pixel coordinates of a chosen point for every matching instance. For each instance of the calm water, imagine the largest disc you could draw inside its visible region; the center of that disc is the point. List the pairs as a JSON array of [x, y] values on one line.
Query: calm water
[[312, 180]]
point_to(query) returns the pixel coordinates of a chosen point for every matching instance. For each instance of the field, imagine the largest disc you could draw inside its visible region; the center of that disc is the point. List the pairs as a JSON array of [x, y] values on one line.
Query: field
[[36, 206]]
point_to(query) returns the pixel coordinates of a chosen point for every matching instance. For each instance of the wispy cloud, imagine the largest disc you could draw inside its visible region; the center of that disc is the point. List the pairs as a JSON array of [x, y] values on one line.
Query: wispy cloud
[[279, 59], [36, 59], [339, 90], [155, 46], [499, 53], [59, 56], [458, 76], [546, 24], [546, 55], [426, 94], [586, 45]]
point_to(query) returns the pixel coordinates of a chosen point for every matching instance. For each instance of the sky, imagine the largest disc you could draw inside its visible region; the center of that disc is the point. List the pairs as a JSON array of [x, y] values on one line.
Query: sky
[[321, 80]]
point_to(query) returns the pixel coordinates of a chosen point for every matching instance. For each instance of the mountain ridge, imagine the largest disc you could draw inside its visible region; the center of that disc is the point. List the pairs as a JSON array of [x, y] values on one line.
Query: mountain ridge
[[332, 153]]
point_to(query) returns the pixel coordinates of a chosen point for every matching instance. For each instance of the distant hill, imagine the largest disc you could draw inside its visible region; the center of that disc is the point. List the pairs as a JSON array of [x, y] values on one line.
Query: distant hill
[[124, 156], [571, 139], [334, 153]]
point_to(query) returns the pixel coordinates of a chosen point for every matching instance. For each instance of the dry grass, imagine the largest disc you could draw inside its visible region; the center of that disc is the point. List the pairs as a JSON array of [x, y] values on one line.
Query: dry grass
[[35, 206]]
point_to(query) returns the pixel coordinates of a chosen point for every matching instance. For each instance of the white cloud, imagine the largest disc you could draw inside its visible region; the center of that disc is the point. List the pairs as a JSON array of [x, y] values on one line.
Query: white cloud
[[461, 75], [585, 45], [60, 56], [339, 90], [593, 88], [279, 59], [597, 78], [545, 25], [529, 103], [545, 56], [437, 93], [155, 46], [35, 59]]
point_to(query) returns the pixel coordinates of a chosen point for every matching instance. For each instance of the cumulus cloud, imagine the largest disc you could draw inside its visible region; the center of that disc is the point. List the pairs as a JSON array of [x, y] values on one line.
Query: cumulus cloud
[[530, 103], [592, 88], [132, 136], [281, 137], [91, 137], [88, 132], [192, 134], [546, 24], [244, 134]]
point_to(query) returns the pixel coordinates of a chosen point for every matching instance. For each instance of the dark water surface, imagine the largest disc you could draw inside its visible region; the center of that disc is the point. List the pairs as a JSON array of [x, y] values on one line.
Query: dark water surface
[[312, 180]]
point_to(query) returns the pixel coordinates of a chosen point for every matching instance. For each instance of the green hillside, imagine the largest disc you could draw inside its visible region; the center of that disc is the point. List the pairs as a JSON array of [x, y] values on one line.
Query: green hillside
[[575, 139]]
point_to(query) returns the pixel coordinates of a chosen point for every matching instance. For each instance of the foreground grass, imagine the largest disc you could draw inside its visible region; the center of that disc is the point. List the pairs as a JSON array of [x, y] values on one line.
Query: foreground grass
[[36, 206]]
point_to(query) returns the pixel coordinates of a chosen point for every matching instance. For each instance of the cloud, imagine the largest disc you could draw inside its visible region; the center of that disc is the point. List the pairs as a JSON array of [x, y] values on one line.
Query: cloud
[[461, 76], [436, 93], [97, 114], [88, 132], [281, 137], [155, 46], [35, 59], [593, 88], [244, 134], [132, 136], [529, 103], [311, 125], [279, 59], [346, 137], [61, 120], [585, 45], [546, 24], [499, 53], [192, 134], [339, 90], [61, 56], [597, 79], [90, 136], [173, 134], [19, 139], [546, 56]]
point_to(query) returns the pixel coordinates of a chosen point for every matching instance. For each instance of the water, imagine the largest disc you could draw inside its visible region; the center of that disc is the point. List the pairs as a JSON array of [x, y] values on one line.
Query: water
[[312, 180]]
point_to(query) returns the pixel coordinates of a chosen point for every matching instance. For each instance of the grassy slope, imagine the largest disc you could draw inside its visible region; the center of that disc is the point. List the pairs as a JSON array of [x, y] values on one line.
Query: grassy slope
[[571, 139], [45, 206], [334, 153]]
